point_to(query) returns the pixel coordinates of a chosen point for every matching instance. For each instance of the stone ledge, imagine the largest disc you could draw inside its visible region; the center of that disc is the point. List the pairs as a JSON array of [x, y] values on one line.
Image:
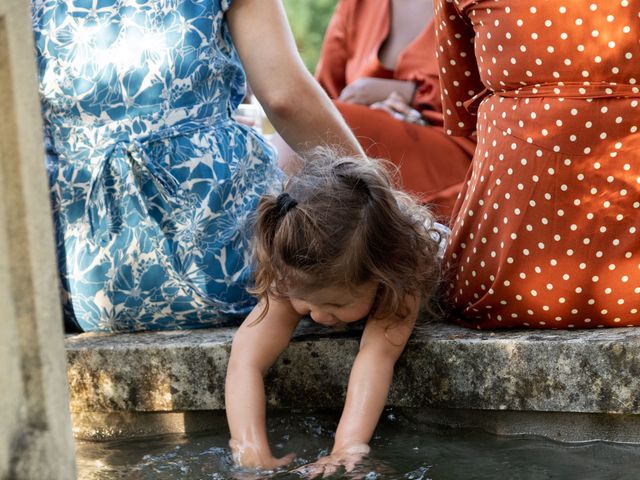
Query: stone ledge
[[565, 427], [444, 366]]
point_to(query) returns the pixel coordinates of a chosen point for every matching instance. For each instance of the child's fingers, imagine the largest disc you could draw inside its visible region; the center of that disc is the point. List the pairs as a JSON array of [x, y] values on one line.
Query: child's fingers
[[311, 470], [286, 460], [329, 469], [281, 462], [350, 465], [323, 467]]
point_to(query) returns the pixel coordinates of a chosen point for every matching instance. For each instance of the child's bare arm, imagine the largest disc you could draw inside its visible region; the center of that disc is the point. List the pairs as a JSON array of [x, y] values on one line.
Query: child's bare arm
[[254, 349], [382, 343]]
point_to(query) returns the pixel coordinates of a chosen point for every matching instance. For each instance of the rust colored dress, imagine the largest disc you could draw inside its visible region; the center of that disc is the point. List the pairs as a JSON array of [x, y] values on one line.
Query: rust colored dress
[[547, 229], [432, 165]]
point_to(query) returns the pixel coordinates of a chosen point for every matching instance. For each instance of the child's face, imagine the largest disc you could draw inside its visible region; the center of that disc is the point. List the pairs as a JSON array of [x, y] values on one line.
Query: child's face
[[336, 306]]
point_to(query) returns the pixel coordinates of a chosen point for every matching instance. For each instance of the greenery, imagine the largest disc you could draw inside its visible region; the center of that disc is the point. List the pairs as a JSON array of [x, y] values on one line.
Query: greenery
[[309, 20]]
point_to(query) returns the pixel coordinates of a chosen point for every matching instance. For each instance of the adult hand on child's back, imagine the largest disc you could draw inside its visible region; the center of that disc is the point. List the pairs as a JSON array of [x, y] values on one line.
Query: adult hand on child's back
[[346, 458], [248, 456]]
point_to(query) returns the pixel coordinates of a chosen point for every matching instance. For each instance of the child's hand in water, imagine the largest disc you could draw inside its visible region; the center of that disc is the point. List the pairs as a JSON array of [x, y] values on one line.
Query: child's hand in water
[[347, 457], [249, 456]]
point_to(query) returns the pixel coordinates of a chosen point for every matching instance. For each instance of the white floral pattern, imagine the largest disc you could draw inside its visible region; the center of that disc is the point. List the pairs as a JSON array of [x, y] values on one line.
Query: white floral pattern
[[152, 183]]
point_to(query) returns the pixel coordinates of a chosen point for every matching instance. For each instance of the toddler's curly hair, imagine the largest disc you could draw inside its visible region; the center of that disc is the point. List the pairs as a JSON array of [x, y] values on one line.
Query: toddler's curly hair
[[341, 222]]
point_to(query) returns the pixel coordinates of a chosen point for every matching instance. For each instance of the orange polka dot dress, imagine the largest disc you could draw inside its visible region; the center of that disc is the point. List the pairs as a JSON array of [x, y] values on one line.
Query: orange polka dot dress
[[546, 232]]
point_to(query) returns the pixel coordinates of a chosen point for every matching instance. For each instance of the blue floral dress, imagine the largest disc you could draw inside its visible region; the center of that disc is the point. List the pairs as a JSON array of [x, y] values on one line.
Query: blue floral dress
[[152, 183]]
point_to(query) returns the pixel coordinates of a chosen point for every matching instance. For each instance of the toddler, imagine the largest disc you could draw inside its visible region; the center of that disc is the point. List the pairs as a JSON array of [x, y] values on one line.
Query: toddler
[[340, 244]]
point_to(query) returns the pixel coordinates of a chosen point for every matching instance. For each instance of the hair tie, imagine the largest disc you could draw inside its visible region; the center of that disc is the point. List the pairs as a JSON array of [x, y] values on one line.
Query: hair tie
[[285, 203]]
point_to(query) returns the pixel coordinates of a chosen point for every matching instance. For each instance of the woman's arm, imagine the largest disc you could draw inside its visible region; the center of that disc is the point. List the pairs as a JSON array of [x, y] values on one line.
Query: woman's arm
[[255, 348], [331, 71], [294, 102], [382, 343]]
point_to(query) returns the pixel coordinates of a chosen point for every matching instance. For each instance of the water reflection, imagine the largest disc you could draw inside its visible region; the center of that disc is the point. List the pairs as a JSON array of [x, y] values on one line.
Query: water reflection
[[401, 449]]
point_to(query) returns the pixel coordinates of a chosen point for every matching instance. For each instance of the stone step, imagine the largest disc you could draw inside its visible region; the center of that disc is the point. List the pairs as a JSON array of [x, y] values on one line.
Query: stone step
[[444, 367]]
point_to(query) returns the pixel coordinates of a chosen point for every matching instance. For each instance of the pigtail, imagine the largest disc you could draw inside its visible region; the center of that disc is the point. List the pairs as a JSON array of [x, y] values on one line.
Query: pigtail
[[266, 226], [277, 242]]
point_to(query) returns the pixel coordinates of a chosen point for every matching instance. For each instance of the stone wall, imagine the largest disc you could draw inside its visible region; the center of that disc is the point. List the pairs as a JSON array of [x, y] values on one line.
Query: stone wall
[[35, 430], [576, 385]]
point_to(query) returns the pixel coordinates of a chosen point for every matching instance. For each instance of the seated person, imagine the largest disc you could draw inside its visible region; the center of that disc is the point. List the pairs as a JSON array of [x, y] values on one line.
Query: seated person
[[378, 63], [545, 234], [153, 184]]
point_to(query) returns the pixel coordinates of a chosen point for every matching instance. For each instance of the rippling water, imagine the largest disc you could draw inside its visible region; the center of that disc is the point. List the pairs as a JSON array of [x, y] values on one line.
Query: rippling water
[[401, 449]]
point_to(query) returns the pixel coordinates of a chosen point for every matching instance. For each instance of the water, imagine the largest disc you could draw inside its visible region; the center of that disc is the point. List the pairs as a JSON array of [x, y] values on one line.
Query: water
[[401, 449]]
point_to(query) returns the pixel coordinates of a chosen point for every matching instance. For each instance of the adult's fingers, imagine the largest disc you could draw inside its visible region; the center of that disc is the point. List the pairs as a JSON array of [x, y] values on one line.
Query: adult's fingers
[[385, 108], [347, 94], [397, 103]]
